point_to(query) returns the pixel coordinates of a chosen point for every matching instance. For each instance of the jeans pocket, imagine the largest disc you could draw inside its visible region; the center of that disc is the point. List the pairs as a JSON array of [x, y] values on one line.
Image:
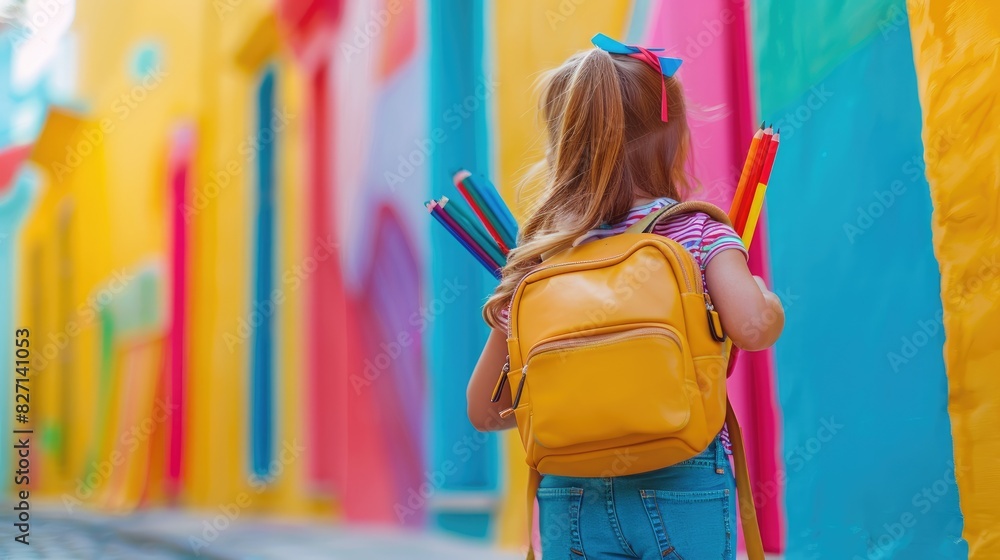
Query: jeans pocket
[[559, 523], [692, 525]]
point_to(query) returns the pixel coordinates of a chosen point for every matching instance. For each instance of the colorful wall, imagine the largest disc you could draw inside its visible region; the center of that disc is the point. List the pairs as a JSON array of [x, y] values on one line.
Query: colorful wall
[[215, 235]]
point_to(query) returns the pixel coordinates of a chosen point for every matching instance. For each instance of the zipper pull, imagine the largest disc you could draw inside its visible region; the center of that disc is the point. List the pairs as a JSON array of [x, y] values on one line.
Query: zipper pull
[[714, 322], [517, 396], [501, 382]]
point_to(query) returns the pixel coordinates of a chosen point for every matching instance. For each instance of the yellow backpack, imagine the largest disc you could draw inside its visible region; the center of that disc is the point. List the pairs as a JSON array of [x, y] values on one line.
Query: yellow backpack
[[618, 362]]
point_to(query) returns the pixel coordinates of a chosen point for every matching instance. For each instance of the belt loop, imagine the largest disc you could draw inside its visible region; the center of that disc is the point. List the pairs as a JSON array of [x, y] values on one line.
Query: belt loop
[[720, 455]]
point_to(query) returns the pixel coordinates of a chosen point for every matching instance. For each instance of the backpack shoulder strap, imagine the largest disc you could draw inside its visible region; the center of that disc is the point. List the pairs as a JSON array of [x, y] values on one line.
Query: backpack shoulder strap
[[647, 224], [747, 509]]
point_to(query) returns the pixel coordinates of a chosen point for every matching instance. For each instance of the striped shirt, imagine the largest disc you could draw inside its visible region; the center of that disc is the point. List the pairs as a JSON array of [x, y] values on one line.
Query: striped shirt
[[702, 236]]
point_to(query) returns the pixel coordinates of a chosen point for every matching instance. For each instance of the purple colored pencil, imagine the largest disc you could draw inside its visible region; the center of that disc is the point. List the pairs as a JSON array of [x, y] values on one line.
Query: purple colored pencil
[[443, 218]]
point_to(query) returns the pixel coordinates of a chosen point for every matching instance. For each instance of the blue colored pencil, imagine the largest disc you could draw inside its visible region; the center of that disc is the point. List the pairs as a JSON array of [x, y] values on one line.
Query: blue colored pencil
[[492, 198], [435, 211], [473, 228]]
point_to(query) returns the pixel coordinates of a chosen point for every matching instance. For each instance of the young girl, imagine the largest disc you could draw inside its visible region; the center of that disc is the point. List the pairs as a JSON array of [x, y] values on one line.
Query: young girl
[[611, 159]]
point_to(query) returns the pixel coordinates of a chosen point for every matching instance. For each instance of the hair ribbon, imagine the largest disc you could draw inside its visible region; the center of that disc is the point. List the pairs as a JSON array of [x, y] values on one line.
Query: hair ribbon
[[666, 66]]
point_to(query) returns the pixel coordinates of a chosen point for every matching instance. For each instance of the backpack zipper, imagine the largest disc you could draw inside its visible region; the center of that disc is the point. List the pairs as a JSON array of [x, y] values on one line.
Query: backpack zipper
[[582, 342], [501, 382]]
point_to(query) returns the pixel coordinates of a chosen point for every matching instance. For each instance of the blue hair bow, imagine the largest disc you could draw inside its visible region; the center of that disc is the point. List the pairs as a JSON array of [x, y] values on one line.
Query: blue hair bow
[[665, 65]]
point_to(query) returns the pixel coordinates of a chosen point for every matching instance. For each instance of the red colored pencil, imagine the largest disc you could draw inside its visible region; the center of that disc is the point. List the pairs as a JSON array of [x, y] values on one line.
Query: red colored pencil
[[460, 179], [743, 184], [772, 150], [753, 181]]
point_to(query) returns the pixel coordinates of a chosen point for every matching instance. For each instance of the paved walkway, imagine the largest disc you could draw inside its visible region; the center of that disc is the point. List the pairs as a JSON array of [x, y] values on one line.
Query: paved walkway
[[168, 535], [172, 535]]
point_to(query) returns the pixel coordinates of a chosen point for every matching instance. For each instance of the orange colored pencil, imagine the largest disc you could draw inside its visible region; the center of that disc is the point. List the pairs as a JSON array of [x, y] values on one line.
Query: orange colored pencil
[[741, 186], [758, 163]]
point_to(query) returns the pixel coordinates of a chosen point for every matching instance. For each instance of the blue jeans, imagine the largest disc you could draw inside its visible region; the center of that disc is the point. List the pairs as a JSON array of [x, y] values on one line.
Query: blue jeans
[[683, 512]]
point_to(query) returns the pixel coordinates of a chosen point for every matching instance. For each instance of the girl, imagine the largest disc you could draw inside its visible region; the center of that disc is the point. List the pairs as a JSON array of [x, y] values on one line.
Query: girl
[[611, 159]]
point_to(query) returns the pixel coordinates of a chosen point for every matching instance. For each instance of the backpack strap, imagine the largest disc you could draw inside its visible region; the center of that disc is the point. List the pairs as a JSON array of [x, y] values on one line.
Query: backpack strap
[[534, 481], [647, 224], [748, 511]]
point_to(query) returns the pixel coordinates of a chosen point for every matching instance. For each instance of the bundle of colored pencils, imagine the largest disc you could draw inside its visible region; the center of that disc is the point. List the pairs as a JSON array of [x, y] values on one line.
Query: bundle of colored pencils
[[749, 198], [488, 231]]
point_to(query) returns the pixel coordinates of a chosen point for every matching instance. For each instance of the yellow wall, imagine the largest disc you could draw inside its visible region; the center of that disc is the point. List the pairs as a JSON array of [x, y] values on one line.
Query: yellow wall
[[955, 52], [210, 65]]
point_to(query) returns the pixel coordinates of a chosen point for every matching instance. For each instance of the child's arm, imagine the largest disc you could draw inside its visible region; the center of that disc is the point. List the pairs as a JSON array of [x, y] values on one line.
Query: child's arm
[[483, 414], [752, 316]]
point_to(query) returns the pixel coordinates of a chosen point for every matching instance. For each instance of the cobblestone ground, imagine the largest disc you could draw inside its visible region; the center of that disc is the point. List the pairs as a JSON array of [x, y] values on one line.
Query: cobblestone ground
[[167, 535]]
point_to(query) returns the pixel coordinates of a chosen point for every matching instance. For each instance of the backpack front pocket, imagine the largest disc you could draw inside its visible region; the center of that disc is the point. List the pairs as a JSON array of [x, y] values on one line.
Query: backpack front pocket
[[588, 389]]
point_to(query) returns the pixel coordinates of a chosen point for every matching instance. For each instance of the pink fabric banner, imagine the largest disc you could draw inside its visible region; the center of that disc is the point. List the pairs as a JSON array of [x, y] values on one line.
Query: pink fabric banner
[[711, 37]]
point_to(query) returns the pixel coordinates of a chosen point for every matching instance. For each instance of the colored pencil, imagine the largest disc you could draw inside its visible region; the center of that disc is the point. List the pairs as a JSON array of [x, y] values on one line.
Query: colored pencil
[[753, 180], [772, 151], [464, 234], [461, 183], [435, 211], [753, 216], [479, 196], [473, 228], [449, 223], [496, 204], [485, 211], [743, 184], [758, 200]]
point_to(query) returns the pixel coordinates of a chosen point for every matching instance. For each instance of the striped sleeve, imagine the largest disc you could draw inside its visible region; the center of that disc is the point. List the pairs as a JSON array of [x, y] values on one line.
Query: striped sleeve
[[716, 238], [702, 236]]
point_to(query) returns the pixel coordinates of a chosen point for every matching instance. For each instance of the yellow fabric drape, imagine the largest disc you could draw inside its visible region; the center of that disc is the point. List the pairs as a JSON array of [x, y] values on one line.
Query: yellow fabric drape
[[955, 50]]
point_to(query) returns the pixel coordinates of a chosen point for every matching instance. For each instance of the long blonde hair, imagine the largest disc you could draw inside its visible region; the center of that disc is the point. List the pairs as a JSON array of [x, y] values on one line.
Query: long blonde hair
[[605, 146]]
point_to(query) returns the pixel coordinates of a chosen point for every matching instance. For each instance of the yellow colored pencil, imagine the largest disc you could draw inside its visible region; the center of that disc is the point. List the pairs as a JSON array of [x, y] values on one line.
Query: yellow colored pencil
[[742, 185], [754, 214]]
